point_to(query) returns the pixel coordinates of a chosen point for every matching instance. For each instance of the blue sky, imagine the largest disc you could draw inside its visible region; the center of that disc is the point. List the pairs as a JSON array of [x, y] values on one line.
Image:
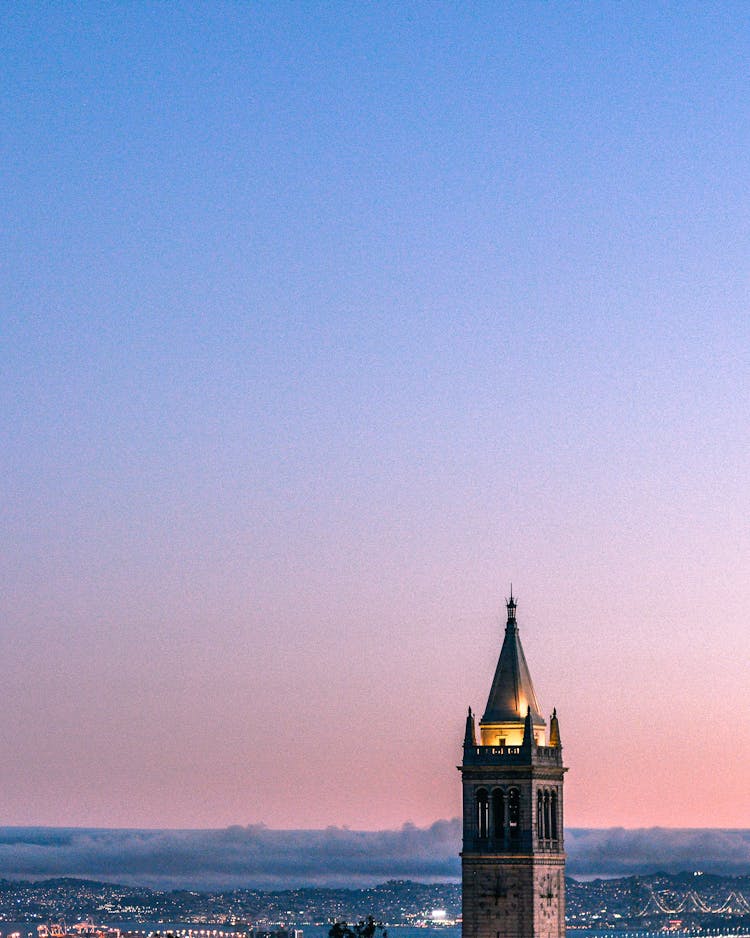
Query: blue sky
[[321, 323]]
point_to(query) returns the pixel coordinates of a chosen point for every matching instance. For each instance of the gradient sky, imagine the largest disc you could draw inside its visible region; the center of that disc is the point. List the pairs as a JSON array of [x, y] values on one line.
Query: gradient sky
[[322, 323]]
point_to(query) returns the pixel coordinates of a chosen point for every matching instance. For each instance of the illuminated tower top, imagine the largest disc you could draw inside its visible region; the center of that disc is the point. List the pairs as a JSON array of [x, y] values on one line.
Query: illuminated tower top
[[513, 854], [512, 693]]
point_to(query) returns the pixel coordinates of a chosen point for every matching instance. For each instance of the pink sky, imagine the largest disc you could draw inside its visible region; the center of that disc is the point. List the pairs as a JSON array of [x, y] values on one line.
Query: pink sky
[[321, 325], [361, 724]]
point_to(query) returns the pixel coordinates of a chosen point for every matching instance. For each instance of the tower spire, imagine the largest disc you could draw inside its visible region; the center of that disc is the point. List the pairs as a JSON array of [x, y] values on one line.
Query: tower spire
[[512, 690]]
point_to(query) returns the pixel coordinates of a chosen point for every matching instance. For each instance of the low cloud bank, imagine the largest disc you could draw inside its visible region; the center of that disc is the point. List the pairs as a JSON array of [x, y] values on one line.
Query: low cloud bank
[[256, 856], [234, 857], [616, 851]]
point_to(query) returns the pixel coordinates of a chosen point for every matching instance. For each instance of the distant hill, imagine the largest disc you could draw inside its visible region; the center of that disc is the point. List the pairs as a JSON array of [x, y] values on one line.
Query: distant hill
[[646, 902]]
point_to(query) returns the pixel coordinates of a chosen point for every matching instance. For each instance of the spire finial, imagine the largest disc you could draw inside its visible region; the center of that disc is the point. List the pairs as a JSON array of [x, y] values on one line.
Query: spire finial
[[510, 605], [554, 730], [528, 728], [470, 736]]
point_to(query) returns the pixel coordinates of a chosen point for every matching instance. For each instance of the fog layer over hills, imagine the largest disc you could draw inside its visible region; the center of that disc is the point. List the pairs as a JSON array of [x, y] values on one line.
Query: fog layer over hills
[[256, 856]]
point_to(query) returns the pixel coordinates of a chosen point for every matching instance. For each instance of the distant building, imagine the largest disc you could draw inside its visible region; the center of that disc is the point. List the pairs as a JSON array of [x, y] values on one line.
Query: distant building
[[513, 862]]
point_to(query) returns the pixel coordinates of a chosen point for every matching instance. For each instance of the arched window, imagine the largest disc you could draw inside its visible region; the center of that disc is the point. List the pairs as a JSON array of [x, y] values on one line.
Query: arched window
[[553, 815], [514, 813], [546, 815], [498, 813], [539, 814], [483, 813]]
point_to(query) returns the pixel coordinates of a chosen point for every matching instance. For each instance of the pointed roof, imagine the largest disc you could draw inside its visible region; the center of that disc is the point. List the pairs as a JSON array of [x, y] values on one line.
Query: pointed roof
[[512, 691]]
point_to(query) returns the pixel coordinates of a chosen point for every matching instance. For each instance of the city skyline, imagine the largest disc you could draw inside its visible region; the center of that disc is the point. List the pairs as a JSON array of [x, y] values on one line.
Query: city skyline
[[321, 325]]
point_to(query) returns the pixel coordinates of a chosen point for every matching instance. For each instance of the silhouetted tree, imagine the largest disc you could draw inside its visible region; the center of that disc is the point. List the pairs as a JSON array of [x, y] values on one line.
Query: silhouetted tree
[[367, 928]]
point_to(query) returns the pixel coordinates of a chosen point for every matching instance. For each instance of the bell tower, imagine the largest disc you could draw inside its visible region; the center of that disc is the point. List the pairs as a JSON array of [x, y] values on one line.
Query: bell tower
[[513, 861]]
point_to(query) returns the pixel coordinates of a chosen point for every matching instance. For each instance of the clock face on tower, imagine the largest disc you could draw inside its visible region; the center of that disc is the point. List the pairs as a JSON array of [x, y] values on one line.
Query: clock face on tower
[[497, 893], [548, 895]]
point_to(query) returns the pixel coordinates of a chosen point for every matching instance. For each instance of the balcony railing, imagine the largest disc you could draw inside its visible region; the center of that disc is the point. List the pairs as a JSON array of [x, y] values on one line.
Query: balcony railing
[[510, 755]]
